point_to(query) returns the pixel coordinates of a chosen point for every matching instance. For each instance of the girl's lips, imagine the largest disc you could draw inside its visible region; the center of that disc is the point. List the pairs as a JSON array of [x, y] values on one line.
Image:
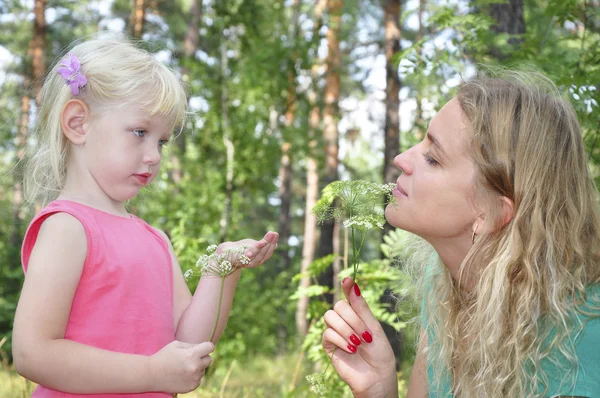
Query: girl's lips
[[143, 178]]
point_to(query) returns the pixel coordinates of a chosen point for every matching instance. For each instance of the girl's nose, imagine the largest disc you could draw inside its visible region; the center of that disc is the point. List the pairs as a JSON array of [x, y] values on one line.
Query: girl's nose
[[152, 156]]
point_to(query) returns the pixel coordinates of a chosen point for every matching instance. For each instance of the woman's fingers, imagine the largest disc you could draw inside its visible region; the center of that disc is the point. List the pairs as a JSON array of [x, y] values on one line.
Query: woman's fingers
[[359, 305], [332, 341], [353, 328]]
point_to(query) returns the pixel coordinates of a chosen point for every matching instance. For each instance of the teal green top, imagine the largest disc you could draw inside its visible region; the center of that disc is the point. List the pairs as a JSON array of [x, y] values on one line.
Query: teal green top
[[587, 350]]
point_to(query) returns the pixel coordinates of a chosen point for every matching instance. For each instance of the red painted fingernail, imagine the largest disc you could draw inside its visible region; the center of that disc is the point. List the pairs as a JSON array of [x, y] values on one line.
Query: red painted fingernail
[[354, 339], [356, 289], [367, 336], [351, 348]]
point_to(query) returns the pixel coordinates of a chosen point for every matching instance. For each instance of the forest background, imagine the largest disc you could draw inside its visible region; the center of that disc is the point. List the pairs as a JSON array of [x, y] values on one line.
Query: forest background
[[287, 96]]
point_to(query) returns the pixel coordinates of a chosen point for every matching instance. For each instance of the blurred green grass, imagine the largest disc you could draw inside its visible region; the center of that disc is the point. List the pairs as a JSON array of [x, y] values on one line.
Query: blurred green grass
[[256, 377]]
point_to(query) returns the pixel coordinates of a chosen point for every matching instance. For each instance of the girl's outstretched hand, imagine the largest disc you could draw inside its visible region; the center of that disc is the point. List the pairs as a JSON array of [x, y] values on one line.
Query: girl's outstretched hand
[[258, 251], [358, 347]]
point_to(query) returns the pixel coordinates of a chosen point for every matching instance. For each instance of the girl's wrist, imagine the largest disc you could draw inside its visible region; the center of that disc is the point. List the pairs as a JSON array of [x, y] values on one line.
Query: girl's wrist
[[216, 276]]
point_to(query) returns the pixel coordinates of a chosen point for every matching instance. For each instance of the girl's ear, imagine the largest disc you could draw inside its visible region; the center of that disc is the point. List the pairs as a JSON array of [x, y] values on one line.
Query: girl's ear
[[75, 121], [482, 226]]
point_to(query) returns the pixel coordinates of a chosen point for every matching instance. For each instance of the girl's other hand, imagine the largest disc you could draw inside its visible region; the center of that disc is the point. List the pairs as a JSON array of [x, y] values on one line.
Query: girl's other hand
[[178, 367], [258, 251], [358, 347]]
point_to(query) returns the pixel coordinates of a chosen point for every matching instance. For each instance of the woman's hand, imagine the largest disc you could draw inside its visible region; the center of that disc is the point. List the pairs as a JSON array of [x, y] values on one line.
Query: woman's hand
[[258, 251], [358, 347]]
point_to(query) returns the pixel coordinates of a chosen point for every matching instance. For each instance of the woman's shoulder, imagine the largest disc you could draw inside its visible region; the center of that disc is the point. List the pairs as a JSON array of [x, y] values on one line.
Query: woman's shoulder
[[583, 381]]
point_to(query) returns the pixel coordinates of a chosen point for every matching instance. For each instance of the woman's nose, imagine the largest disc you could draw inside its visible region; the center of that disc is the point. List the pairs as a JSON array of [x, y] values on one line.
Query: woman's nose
[[404, 162]]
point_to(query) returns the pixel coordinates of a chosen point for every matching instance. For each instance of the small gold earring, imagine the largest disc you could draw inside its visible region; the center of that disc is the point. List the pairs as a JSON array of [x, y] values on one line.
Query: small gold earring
[[473, 236]]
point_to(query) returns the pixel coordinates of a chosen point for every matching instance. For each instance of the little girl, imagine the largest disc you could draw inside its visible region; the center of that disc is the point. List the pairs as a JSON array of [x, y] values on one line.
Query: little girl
[[105, 309]]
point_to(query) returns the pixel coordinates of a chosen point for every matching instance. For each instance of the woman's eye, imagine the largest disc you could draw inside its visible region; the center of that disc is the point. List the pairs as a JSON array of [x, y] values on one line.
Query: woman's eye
[[429, 159], [139, 132]]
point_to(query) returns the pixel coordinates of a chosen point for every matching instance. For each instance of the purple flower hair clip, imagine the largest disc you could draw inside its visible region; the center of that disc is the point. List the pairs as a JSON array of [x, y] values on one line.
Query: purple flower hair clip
[[70, 70]]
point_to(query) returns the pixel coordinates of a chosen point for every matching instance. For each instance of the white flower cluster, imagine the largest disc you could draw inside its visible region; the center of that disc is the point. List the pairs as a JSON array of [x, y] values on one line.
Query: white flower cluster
[[364, 223], [221, 264], [316, 383]]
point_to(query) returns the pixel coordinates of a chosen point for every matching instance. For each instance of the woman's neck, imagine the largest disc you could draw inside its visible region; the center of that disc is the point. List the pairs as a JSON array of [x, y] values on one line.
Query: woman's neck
[[453, 252]]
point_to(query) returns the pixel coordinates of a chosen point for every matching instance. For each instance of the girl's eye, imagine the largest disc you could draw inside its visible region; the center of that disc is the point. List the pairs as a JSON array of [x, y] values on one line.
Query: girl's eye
[[429, 159], [139, 132], [162, 143]]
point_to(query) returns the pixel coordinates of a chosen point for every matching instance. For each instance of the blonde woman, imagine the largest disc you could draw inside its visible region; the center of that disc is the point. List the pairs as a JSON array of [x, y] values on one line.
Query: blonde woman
[[501, 190]]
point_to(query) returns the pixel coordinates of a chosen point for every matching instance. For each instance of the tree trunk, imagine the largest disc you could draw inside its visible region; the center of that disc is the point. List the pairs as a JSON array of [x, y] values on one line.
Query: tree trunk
[[419, 120], [192, 34], [37, 49], [37, 53], [392, 134], [285, 198], [136, 18], [190, 46], [312, 189], [330, 128], [392, 91], [509, 19], [285, 166], [227, 140]]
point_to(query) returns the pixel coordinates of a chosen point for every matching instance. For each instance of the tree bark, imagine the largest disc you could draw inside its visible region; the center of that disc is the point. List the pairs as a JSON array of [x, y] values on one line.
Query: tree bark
[[509, 19], [136, 18], [392, 91], [330, 128], [392, 134], [285, 165], [37, 49], [312, 189], [419, 120], [192, 34], [191, 42], [37, 54]]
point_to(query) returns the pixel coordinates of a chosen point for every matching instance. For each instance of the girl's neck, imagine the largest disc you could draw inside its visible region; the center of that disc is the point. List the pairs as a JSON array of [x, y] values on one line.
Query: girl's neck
[[104, 204], [81, 187]]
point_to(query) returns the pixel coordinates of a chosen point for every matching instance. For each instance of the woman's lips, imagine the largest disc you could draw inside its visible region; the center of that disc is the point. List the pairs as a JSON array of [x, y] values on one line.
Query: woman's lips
[[398, 191]]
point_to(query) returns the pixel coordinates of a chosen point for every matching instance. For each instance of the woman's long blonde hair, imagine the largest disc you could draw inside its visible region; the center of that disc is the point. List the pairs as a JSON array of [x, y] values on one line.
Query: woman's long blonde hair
[[118, 73], [533, 272]]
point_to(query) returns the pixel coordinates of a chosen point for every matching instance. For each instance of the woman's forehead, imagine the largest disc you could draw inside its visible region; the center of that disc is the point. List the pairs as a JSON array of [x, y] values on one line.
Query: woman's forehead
[[449, 129]]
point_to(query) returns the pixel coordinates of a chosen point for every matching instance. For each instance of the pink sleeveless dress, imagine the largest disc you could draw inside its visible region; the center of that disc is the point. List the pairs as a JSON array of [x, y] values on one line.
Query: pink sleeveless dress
[[124, 300]]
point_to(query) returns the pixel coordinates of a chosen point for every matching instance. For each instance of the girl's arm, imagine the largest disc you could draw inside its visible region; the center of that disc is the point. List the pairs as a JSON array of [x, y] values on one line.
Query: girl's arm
[[195, 316], [43, 355]]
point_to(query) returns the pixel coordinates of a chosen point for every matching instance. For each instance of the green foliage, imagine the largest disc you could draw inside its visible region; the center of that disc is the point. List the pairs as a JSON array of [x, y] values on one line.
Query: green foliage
[[376, 277], [263, 49]]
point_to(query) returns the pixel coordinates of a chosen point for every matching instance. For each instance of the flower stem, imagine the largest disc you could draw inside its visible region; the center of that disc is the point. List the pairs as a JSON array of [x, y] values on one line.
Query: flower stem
[[212, 334]]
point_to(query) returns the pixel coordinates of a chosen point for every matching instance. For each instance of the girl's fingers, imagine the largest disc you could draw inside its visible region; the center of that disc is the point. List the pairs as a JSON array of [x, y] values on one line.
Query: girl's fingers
[[263, 250], [332, 341], [360, 330], [359, 305], [259, 252]]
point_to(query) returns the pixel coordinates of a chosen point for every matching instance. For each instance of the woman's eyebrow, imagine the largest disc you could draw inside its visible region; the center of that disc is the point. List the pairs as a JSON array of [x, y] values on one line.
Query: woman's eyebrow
[[436, 143]]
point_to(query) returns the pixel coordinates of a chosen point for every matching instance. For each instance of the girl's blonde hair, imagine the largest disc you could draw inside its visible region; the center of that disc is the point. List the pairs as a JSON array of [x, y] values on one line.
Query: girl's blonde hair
[[533, 272], [118, 73]]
